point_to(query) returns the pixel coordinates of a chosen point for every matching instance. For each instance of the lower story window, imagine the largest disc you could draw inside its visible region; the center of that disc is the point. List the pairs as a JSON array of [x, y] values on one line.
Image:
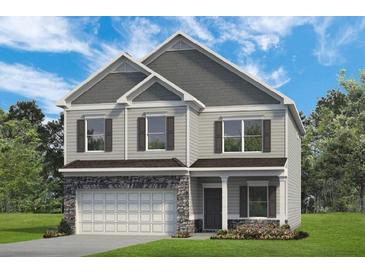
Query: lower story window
[[257, 201]]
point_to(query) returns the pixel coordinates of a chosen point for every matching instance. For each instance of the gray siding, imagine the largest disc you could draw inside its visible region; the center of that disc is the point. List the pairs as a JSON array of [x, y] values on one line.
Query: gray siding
[[157, 92], [194, 135], [195, 199], [180, 133], [118, 135], [294, 175], [206, 136], [208, 81], [234, 183], [110, 88]]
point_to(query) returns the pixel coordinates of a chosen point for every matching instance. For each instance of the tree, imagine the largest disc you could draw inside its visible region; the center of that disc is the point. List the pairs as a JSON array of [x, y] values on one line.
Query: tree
[[333, 148]]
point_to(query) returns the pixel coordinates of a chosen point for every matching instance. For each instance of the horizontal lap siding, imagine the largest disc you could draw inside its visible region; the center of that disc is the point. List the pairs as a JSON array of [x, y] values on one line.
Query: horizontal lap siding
[[195, 198], [194, 136], [206, 130], [234, 184], [180, 133], [294, 175], [117, 152]]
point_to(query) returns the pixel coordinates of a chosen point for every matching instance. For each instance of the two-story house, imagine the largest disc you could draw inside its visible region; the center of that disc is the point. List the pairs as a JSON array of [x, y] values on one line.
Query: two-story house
[[182, 140]]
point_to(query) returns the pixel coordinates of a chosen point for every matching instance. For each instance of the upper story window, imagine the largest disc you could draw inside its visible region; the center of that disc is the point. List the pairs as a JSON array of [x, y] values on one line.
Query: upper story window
[[156, 132], [95, 134], [242, 135]]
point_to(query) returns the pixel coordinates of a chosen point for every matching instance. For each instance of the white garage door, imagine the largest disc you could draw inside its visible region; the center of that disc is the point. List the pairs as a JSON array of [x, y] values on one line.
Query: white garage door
[[126, 212]]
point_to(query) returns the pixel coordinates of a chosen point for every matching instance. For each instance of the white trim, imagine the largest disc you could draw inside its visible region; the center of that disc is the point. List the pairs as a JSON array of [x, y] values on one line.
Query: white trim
[[211, 185], [224, 180], [157, 104], [65, 138], [283, 200], [234, 168], [286, 128], [126, 134], [242, 117], [262, 107], [117, 169], [260, 184], [187, 135]]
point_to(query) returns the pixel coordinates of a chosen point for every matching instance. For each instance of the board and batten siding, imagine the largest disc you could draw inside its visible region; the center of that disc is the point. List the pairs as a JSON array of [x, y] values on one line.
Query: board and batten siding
[[206, 133], [117, 153], [194, 135], [179, 151], [294, 174], [195, 199]]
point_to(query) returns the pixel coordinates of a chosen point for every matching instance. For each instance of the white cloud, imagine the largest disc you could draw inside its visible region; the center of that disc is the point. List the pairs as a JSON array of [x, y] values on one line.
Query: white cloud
[[276, 78], [101, 56], [192, 26], [329, 44], [48, 34], [34, 84], [140, 34]]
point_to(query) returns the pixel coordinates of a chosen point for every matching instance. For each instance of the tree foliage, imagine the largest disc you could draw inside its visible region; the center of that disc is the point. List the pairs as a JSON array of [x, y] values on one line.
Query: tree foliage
[[31, 154], [333, 163]]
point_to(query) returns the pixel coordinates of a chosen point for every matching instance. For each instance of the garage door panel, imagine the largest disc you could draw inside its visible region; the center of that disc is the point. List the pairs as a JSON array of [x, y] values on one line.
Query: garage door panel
[[126, 211], [98, 227], [133, 228], [145, 206], [109, 227], [145, 228], [122, 206]]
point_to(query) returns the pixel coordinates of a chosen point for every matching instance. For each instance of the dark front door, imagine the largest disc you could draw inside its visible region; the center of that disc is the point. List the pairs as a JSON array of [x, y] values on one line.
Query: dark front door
[[212, 208]]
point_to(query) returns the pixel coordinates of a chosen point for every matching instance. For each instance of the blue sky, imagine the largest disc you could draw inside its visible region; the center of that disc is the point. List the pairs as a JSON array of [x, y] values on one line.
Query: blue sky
[[43, 58]]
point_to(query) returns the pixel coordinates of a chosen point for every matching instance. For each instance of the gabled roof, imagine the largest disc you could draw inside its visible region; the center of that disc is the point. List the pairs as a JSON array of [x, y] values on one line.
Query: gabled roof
[[151, 79], [227, 64], [152, 76]]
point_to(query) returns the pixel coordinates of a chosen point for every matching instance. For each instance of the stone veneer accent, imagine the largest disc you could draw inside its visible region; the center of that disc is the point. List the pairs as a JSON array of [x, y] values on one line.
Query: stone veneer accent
[[234, 222], [178, 183]]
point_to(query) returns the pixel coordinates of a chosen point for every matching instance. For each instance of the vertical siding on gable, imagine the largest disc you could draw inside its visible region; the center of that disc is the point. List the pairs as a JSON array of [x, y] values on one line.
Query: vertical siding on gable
[[206, 128], [194, 135], [180, 134], [118, 135], [294, 175]]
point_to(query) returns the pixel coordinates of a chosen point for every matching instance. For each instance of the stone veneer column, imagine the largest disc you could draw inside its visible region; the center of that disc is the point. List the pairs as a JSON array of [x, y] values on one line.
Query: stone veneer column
[[179, 183]]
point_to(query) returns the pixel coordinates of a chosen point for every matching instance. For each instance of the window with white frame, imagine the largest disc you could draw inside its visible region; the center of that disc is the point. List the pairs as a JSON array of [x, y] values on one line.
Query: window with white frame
[[95, 134], [257, 201], [156, 132], [242, 135]]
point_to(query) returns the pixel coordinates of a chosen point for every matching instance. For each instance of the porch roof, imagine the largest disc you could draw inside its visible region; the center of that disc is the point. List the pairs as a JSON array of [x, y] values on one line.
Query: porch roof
[[239, 162]]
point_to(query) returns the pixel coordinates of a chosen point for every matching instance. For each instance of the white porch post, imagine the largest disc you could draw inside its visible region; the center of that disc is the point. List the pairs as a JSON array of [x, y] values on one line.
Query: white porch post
[[224, 202], [283, 205]]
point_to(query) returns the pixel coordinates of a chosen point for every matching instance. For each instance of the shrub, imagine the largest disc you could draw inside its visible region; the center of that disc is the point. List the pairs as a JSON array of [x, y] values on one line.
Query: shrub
[[260, 232], [64, 227], [182, 234], [52, 234]]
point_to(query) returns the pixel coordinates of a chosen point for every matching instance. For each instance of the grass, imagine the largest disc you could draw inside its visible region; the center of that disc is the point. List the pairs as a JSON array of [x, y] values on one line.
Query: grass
[[16, 227], [333, 234]]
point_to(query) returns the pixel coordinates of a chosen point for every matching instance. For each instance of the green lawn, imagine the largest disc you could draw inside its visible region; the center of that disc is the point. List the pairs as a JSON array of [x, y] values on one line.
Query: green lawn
[[335, 234], [16, 227]]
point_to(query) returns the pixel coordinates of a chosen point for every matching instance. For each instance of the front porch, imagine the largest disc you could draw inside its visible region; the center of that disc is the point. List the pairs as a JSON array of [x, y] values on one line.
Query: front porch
[[222, 200]]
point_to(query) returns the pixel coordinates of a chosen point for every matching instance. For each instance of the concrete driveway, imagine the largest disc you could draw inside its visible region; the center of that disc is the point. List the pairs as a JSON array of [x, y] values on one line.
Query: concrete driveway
[[72, 246]]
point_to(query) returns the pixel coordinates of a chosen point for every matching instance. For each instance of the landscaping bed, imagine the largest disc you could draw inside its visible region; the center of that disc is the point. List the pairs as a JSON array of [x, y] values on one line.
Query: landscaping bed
[[260, 232]]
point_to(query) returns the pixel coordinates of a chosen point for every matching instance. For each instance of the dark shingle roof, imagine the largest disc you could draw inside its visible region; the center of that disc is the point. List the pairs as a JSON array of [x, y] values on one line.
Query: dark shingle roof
[[125, 163], [240, 162], [208, 81], [110, 88]]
